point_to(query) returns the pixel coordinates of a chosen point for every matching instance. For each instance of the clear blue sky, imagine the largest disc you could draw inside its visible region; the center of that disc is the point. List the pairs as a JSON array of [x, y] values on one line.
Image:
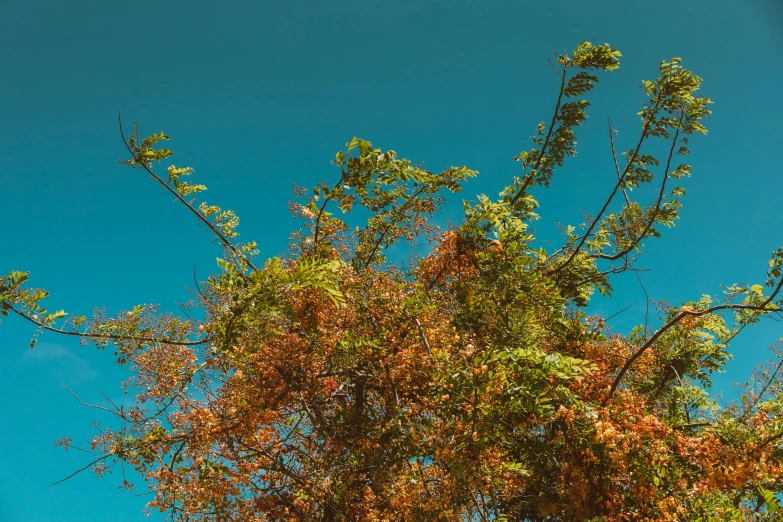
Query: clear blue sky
[[257, 95]]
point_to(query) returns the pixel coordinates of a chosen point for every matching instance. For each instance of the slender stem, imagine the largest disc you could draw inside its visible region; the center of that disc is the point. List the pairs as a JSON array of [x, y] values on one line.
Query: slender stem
[[614, 158], [223, 239], [94, 405], [82, 469], [400, 211], [693, 425], [540, 158], [770, 440], [685, 406], [327, 199], [646, 304], [762, 392]]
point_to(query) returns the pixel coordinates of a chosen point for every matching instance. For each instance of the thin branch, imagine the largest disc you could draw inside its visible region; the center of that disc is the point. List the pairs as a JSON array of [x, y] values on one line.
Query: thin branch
[[656, 210], [327, 199], [480, 511], [546, 139], [627, 265], [685, 406], [400, 211], [770, 440], [692, 425], [119, 408], [199, 289], [618, 313], [617, 186], [99, 459], [647, 304], [223, 239], [764, 389], [104, 336], [93, 405], [616, 166], [423, 336], [696, 313]]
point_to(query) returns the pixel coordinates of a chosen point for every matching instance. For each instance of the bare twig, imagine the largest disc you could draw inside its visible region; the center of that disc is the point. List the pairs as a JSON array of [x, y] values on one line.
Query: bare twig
[[618, 313], [99, 459], [646, 303], [616, 166], [93, 405], [760, 394]]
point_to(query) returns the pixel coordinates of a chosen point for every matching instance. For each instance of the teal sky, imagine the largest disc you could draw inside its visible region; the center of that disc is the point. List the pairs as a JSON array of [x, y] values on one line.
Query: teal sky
[[257, 95]]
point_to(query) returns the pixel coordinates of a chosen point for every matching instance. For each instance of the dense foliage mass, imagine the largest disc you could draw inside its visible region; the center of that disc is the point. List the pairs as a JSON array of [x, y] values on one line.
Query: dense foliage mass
[[465, 384]]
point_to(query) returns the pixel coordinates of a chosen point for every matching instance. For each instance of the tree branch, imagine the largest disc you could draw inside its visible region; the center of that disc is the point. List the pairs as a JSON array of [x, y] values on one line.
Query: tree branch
[[696, 313], [423, 335], [546, 139], [619, 184], [103, 336], [401, 211], [616, 166], [93, 405], [657, 209], [99, 459], [692, 425], [223, 239]]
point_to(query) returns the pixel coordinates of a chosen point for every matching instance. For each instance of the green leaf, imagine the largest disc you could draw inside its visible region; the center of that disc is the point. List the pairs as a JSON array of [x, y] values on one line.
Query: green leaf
[[770, 500]]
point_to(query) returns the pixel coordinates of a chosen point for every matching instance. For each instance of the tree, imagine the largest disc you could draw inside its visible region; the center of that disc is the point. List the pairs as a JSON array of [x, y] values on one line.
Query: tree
[[468, 383]]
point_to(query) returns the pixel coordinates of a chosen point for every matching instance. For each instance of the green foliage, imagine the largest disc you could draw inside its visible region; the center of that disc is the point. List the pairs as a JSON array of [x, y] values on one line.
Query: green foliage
[[481, 352], [397, 195], [222, 222], [558, 140]]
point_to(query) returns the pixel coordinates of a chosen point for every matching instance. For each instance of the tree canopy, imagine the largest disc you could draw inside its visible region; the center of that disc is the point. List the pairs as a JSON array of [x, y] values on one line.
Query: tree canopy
[[465, 382]]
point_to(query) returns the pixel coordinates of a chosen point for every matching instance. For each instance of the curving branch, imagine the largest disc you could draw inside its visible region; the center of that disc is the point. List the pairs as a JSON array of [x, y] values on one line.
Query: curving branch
[[696, 313], [423, 335], [327, 199], [770, 440], [95, 406], [113, 337], [760, 394], [96, 461], [627, 265]]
